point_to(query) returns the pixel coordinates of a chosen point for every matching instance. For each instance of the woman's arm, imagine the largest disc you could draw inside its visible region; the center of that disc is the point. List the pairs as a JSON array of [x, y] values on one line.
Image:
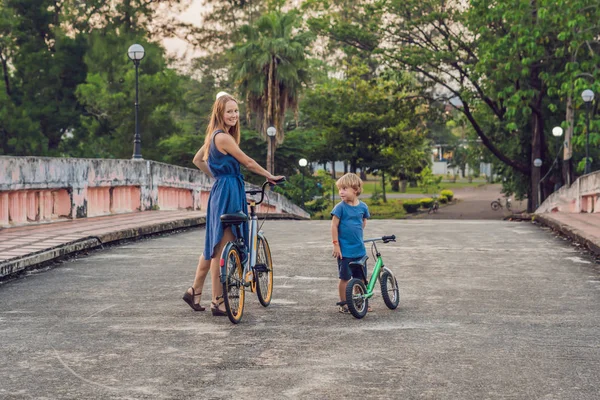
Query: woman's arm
[[226, 144], [200, 163]]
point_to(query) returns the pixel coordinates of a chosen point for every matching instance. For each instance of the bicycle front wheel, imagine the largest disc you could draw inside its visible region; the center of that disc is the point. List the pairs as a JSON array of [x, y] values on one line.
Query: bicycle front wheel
[[233, 286], [495, 205], [389, 290], [263, 272]]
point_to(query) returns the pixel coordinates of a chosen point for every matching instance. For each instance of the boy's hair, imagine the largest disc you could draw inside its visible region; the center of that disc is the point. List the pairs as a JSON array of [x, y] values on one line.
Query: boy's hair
[[350, 180]]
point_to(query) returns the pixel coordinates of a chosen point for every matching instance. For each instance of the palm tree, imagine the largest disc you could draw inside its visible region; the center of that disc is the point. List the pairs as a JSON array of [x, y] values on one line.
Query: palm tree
[[270, 67]]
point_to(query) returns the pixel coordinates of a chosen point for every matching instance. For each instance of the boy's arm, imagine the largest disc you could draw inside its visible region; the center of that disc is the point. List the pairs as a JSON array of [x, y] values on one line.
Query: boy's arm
[[364, 222], [335, 223]]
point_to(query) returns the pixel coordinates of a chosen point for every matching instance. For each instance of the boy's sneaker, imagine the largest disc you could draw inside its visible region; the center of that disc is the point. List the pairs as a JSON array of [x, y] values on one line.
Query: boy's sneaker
[[343, 309]]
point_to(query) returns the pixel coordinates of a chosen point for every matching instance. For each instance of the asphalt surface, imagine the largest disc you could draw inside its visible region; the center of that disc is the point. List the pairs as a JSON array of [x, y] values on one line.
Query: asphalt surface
[[488, 310]]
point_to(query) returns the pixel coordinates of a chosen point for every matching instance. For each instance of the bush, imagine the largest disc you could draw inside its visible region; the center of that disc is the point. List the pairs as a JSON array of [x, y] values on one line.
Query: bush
[[411, 206], [443, 199], [448, 193], [426, 202]]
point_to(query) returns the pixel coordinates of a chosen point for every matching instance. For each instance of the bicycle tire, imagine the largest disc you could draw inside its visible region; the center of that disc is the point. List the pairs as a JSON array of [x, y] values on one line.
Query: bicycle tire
[[234, 292], [389, 290], [357, 303], [263, 272], [495, 205]]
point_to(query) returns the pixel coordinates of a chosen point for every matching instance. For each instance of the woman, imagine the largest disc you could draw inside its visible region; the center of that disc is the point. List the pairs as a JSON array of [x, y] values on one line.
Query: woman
[[220, 157]]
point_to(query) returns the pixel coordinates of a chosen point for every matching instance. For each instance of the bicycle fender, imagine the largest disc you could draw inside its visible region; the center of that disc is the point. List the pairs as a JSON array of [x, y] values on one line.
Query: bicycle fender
[[222, 261]]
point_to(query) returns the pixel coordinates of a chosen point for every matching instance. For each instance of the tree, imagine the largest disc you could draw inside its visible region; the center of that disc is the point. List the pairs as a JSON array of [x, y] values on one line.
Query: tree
[[498, 59], [270, 69], [373, 124]]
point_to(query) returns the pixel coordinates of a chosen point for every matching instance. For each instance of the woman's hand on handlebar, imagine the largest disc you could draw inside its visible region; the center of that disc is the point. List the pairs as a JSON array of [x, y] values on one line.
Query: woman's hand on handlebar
[[275, 179]]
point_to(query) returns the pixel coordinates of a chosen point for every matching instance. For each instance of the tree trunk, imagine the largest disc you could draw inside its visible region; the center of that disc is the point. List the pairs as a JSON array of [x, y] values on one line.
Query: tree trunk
[[270, 163], [568, 172], [537, 146], [5, 73], [383, 186]]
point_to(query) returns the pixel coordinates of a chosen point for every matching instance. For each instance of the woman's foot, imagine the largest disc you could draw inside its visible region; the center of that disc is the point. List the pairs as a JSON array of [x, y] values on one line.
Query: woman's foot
[[218, 308], [190, 297]]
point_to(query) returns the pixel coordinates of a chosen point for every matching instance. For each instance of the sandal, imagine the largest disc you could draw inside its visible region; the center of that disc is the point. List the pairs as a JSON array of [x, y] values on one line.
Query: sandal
[[189, 298], [343, 309], [214, 308]]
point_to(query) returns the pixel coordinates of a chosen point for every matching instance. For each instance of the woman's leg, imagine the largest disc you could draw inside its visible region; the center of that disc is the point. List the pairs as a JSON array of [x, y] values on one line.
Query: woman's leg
[[215, 268], [201, 272]]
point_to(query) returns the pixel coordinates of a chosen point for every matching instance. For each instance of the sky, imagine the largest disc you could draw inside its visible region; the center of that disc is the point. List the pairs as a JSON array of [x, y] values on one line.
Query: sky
[[190, 15]]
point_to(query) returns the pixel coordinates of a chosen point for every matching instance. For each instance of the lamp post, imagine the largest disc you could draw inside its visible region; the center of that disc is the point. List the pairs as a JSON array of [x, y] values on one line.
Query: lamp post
[[271, 133], [537, 163], [136, 53], [302, 162], [587, 96], [557, 132]]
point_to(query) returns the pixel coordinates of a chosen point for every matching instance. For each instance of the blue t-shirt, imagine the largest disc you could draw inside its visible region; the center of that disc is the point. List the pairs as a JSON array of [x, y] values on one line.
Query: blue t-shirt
[[350, 229]]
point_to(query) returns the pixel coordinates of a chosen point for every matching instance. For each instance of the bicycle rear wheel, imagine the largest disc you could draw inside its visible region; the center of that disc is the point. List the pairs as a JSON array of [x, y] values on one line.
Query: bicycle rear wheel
[[233, 287], [358, 304], [495, 205], [263, 272]]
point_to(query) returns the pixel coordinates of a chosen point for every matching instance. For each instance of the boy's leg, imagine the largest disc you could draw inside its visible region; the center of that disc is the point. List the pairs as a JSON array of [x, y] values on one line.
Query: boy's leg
[[344, 275], [342, 289]]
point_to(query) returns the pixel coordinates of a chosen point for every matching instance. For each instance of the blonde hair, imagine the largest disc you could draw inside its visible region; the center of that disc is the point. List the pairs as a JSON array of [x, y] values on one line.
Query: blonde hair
[[218, 122], [350, 180]]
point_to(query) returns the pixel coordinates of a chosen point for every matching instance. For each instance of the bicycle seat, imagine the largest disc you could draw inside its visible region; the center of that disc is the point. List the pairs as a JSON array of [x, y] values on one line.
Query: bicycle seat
[[234, 219], [358, 268], [359, 263]]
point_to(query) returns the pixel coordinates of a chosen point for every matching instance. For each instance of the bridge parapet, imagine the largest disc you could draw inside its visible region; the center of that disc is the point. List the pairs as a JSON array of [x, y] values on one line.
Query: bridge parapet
[[582, 196], [45, 189]]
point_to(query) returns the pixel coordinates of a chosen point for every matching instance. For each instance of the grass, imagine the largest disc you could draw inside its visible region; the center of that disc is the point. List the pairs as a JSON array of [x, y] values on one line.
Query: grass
[[391, 210]]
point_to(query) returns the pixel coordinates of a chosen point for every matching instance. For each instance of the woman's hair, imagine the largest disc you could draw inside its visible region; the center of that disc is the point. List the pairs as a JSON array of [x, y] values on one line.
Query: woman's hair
[[217, 122], [350, 180]]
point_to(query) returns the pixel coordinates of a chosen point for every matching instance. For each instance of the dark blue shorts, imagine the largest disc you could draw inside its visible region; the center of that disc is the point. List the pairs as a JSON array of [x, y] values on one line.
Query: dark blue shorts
[[345, 273]]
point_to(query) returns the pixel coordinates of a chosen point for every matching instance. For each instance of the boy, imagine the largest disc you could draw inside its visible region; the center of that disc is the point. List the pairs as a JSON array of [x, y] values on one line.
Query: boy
[[349, 218]]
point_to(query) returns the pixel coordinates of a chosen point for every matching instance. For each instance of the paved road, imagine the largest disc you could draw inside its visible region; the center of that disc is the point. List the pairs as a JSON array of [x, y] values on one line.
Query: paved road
[[489, 310], [475, 203]]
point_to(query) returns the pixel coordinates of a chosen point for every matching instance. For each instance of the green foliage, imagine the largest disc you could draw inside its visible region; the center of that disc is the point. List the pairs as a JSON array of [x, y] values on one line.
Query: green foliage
[[411, 206], [429, 182], [443, 199], [449, 194], [370, 121], [426, 202], [312, 187]]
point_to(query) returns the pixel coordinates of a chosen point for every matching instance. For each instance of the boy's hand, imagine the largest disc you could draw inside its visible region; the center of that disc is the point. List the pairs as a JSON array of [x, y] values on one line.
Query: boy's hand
[[337, 252]]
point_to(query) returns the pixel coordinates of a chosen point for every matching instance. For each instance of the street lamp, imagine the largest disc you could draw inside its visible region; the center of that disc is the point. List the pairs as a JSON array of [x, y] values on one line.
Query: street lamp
[[136, 53], [303, 163], [587, 96], [271, 133]]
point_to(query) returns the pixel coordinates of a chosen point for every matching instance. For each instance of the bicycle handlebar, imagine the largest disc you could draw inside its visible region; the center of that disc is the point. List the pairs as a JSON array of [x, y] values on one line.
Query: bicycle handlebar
[[262, 190], [384, 239]]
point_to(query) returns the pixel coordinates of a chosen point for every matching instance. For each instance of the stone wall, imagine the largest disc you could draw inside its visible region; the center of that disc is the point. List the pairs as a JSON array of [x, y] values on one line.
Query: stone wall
[[582, 196], [45, 189]]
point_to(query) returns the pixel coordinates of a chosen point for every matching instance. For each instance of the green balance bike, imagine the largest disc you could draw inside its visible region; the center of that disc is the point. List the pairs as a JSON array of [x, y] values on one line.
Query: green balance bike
[[358, 295]]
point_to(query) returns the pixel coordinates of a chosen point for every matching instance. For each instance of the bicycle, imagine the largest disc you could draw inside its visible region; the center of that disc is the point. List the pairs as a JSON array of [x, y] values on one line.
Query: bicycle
[[358, 294], [434, 207], [497, 204], [257, 272]]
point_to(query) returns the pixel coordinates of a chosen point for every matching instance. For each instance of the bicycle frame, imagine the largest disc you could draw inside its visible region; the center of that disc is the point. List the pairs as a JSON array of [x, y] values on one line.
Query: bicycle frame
[[377, 270], [253, 231]]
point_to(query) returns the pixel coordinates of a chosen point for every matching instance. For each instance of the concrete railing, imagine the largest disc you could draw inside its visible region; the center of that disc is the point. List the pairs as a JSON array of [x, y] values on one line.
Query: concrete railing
[[582, 196], [44, 189]]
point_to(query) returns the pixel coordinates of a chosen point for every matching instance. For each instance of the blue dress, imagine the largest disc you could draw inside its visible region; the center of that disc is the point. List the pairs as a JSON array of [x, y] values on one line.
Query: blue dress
[[227, 196]]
